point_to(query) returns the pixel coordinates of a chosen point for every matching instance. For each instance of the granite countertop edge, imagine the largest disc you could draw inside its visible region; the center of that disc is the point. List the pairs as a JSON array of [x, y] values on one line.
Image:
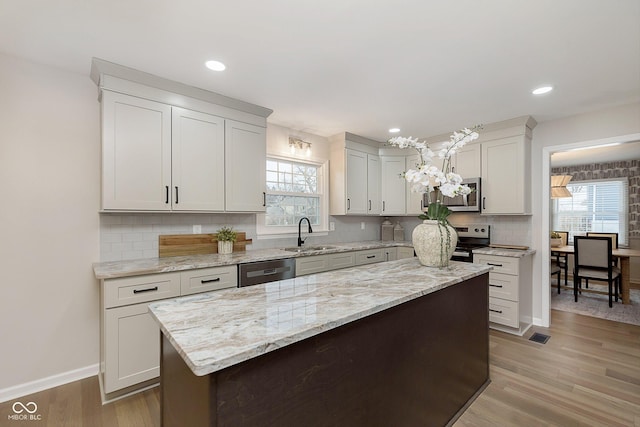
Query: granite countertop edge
[[138, 267], [514, 253], [215, 330]]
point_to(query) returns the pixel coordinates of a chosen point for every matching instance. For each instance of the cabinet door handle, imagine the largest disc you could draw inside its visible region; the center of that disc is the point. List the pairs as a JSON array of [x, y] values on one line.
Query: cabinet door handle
[[383, 206], [139, 291], [217, 279], [176, 194], [496, 311], [495, 286], [483, 203], [369, 204], [348, 204], [166, 194], [264, 198], [495, 265]]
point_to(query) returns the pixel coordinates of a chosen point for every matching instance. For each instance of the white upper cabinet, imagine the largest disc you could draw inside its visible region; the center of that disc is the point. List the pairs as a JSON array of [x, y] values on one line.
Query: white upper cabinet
[[373, 185], [506, 189], [354, 187], [414, 200], [197, 146], [245, 163], [172, 147], [467, 161], [136, 153], [357, 181], [394, 192]]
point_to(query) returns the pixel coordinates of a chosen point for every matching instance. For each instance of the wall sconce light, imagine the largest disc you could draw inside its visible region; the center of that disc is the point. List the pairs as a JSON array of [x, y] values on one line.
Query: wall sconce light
[[559, 186], [297, 143]]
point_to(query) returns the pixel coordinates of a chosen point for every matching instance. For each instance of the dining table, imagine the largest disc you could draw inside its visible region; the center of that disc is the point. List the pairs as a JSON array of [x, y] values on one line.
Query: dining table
[[624, 254]]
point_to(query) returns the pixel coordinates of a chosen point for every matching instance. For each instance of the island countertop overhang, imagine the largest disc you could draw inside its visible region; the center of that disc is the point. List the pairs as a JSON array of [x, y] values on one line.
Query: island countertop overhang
[[213, 331]]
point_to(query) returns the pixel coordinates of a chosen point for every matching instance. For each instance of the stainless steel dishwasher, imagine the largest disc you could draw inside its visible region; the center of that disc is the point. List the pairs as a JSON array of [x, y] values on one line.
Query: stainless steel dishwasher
[[254, 273]]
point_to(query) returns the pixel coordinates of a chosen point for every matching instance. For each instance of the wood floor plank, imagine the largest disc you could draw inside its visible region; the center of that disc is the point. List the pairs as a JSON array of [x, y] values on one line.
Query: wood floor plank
[[587, 374]]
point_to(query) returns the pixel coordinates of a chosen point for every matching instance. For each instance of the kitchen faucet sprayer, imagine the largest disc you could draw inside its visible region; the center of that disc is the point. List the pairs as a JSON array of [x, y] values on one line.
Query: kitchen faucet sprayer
[[300, 241]]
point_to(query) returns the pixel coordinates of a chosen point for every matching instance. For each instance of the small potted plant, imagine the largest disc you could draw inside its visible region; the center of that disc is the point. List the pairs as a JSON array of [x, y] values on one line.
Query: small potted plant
[[556, 239], [226, 237]]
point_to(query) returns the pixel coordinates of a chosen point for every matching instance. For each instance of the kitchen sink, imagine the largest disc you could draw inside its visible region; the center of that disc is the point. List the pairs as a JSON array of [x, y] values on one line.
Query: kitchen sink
[[308, 248]]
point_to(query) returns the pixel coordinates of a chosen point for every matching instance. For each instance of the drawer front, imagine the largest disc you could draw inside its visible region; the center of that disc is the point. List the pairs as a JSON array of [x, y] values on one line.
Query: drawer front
[[501, 264], [504, 312], [503, 286], [369, 256], [342, 260], [312, 264], [137, 289], [208, 279]]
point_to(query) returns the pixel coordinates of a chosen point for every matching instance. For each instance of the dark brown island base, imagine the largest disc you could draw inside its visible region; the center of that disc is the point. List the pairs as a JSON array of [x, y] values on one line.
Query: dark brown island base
[[419, 363]]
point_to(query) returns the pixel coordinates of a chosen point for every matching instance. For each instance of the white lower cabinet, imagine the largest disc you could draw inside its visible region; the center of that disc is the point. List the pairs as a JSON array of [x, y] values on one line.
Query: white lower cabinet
[[509, 291], [369, 256], [130, 338]]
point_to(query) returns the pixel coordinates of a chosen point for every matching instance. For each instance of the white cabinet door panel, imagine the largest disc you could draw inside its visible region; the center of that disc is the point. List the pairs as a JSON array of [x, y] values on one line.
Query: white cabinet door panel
[[136, 158], [373, 185], [357, 180], [132, 347], [393, 186], [197, 161], [245, 167]]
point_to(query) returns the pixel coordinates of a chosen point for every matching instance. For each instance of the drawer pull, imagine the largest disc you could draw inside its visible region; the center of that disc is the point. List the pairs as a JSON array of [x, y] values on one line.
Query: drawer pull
[[139, 291], [217, 279], [496, 311], [496, 286], [495, 265], [370, 256], [269, 271]]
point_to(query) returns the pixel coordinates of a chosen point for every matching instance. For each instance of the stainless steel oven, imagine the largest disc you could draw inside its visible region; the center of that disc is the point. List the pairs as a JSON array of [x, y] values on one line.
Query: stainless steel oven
[[470, 237], [466, 203]]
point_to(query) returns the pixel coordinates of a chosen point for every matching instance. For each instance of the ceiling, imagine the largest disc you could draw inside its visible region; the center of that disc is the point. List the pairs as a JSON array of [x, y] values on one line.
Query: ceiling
[[362, 66]]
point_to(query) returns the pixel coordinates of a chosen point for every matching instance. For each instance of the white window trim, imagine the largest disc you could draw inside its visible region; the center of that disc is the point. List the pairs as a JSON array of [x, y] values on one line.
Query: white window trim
[[322, 229]]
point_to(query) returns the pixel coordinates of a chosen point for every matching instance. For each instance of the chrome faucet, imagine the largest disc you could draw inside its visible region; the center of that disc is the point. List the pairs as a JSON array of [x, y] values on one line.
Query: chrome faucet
[[300, 241]]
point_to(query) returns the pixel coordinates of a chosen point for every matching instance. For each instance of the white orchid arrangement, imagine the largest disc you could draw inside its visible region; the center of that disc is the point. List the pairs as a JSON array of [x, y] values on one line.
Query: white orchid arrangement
[[427, 177]]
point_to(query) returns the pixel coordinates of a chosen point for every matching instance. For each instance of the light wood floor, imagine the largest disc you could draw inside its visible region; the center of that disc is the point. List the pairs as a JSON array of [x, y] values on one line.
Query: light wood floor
[[587, 374]]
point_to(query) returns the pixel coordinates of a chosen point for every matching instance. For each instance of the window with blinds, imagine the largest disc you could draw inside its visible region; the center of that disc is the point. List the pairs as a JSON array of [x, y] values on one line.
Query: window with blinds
[[600, 206]]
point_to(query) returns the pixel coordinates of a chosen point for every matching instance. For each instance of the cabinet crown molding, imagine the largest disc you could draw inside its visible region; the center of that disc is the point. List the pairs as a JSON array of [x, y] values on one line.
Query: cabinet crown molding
[[101, 68]]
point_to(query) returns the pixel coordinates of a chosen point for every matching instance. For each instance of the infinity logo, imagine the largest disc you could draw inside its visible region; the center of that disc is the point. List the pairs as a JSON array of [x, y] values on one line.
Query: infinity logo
[[22, 407]]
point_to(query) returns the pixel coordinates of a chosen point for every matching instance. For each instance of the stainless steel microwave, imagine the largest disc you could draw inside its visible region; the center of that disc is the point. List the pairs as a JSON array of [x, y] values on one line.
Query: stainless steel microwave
[[466, 203]]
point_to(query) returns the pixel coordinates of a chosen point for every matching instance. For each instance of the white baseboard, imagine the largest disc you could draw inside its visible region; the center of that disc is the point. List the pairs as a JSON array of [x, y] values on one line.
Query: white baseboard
[[20, 390]]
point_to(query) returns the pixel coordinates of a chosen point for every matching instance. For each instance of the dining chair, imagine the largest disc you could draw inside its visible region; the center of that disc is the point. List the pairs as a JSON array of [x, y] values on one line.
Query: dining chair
[[555, 269], [562, 259], [593, 260], [614, 240]]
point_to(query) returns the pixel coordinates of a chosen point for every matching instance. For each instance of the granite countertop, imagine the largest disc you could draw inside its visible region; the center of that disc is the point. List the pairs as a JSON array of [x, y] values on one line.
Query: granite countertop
[[215, 330], [114, 269], [515, 253]]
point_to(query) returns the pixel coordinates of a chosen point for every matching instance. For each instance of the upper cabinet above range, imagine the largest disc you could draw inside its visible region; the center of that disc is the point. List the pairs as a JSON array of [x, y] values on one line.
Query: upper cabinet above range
[[171, 147]]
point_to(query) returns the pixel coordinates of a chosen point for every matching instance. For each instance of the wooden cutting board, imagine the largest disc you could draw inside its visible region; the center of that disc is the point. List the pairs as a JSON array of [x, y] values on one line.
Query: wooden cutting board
[[196, 244]]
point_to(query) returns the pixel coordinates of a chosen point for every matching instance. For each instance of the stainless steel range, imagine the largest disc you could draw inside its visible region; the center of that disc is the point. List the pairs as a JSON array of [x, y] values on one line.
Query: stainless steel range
[[470, 237]]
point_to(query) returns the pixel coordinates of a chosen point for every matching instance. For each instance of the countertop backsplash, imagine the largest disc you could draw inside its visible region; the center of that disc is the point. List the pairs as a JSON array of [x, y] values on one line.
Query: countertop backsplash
[[128, 236]]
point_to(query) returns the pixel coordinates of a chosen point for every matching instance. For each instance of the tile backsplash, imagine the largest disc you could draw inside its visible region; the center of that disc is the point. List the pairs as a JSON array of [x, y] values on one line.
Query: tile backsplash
[[127, 236]]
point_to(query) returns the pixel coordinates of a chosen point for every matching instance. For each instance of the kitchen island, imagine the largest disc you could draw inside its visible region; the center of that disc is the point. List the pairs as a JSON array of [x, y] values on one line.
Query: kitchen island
[[388, 344]]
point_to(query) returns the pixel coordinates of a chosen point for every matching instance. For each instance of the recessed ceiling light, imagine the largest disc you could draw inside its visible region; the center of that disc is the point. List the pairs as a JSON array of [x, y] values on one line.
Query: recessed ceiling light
[[542, 89], [215, 65], [394, 130]]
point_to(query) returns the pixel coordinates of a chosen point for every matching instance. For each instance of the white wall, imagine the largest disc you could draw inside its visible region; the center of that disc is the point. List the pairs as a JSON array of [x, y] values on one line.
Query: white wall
[[621, 123], [49, 228]]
